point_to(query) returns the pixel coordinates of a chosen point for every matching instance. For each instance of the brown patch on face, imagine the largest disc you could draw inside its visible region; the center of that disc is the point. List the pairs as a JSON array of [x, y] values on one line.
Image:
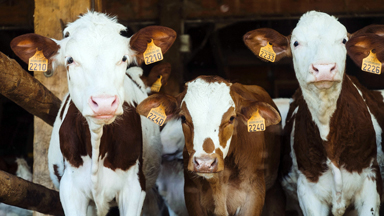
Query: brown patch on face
[[226, 127], [56, 171], [208, 145], [188, 128]]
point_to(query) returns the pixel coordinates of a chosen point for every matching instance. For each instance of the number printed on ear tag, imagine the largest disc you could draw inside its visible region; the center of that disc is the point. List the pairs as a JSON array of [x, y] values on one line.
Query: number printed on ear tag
[[267, 53], [256, 122], [157, 85], [371, 64], [152, 54], [157, 115], [38, 62]]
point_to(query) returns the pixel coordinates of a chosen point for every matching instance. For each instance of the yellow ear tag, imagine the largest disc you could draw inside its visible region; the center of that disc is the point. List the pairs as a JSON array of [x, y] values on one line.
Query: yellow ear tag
[[256, 122], [371, 64], [38, 62], [152, 54], [157, 115], [157, 85], [267, 53]]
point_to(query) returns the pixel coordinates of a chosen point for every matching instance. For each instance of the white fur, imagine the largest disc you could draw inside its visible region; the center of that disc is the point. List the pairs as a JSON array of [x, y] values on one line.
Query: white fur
[[97, 49], [320, 39], [172, 137], [283, 106], [207, 102]]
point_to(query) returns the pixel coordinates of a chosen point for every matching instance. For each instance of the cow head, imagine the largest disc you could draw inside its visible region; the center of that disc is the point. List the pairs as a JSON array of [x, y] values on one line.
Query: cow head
[[317, 46], [96, 57], [210, 109]]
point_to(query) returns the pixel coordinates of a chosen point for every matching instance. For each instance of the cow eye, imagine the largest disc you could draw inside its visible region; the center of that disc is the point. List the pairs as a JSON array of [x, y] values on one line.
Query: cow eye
[[124, 59], [231, 119], [69, 60], [296, 44], [182, 119], [344, 41]]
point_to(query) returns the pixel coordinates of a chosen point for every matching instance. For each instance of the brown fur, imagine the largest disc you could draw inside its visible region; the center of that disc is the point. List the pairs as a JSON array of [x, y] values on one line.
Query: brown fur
[[120, 145], [208, 145], [348, 130], [247, 172]]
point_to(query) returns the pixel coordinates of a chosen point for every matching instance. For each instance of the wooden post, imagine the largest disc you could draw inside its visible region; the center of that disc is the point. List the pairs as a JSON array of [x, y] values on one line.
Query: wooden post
[[47, 23], [171, 16]]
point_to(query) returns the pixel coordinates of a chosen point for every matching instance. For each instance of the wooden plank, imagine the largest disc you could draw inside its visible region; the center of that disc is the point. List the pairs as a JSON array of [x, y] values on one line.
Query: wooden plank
[[24, 194], [20, 87], [47, 23], [171, 16], [17, 13]]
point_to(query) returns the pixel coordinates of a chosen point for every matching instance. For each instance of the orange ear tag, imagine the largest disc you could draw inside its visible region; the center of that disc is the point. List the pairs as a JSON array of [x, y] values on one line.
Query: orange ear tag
[[38, 62], [152, 54], [157, 115], [157, 85], [267, 53], [256, 122], [371, 64]]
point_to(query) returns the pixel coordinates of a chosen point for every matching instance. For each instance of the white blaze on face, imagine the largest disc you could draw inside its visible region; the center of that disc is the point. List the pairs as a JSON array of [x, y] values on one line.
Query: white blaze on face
[[318, 40], [207, 103], [93, 54]]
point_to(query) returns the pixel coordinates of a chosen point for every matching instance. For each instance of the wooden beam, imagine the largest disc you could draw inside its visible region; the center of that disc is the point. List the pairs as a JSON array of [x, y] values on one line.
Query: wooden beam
[[16, 13], [24, 194], [20, 87], [171, 16], [47, 23]]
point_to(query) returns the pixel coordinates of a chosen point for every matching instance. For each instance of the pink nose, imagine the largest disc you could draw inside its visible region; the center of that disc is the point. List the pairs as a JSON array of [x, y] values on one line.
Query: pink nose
[[104, 105], [324, 72], [205, 164]]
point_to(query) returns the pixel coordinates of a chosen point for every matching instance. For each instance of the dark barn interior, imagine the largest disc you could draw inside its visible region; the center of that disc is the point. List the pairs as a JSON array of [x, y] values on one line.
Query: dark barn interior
[[212, 32]]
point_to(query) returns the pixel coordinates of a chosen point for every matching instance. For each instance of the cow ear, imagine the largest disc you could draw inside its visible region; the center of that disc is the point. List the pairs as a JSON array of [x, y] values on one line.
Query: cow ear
[[168, 102], [371, 29], [261, 37], [25, 46], [270, 114], [163, 37], [359, 47], [162, 69]]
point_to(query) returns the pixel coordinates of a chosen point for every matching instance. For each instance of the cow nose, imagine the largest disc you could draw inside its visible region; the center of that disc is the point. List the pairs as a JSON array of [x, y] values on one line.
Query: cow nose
[[205, 164], [324, 72], [104, 104], [323, 68]]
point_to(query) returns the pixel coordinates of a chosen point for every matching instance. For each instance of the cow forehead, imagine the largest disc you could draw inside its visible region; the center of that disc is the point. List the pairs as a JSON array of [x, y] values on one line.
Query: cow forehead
[[318, 26], [95, 34], [207, 102]]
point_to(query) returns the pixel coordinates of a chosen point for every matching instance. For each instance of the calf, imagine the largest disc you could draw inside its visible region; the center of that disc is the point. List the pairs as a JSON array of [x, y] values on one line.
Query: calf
[[100, 149], [334, 125], [225, 168]]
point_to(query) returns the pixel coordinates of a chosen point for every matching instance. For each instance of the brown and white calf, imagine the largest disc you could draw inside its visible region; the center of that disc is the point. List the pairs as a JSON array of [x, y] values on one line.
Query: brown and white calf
[[101, 150], [334, 124], [227, 169]]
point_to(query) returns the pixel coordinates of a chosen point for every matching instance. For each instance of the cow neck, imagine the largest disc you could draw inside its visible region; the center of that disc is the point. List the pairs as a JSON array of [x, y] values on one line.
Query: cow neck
[[322, 104], [350, 125], [120, 143]]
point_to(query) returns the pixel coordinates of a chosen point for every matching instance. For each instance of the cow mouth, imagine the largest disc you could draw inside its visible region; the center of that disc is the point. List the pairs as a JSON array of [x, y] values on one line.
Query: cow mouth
[[325, 84], [106, 117]]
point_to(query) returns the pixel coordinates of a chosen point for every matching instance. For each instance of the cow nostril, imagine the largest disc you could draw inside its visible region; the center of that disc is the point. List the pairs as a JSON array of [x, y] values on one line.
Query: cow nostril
[[195, 161], [315, 69], [213, 163], [94, 102], [333, 68], [113, 102]]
